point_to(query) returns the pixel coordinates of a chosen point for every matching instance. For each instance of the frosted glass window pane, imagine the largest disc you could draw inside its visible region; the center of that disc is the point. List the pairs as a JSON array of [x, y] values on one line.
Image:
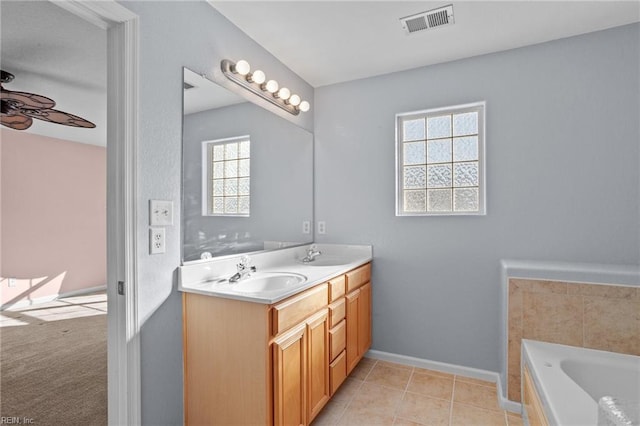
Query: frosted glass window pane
[[439, 127], [230, 169], [218, 187], [465, 149], [218, 152], [243, 186], [231, 151], [231, 205], [413, 130], [244, 149], [439, 176], [231, 187], [243, 167], [439, 151], [414, 153], [465, 200], [243, 205], [415, 201], [439, 200], [218, 170], [415, 177], [218, 205], [465, 124], [465, 174]]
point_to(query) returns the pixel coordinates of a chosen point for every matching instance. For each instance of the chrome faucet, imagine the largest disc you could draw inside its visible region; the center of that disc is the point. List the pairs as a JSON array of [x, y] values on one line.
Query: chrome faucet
[[243, 269], [312, 253]]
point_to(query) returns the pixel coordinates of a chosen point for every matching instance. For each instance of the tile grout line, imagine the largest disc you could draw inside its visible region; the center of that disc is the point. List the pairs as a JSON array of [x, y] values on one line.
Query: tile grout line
[[453, 393], [404, 393]]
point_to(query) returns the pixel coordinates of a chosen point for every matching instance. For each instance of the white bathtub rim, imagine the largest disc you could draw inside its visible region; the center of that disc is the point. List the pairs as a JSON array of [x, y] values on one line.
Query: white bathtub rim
[[570, 389]]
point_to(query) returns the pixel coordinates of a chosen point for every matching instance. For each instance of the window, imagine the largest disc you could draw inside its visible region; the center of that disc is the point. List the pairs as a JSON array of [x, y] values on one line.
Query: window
[[440, 161], [226, 177]]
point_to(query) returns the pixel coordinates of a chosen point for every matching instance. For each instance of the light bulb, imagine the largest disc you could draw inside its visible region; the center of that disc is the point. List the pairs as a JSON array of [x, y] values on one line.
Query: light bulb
[[257, 77], [270, 86], [304, 106], [294, 100], [242, 67], [284, 93]]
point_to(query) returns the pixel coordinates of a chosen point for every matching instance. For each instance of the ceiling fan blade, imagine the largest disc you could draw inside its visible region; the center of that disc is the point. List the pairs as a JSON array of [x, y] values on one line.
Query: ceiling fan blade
[[59, 117], [17, 122], [25, 99]]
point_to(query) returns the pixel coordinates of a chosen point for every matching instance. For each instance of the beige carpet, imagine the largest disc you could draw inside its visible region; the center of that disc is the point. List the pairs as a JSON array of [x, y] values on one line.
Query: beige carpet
[[53, 369]]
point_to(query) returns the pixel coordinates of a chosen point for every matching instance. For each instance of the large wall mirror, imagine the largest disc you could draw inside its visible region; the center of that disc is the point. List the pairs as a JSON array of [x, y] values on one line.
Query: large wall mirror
[[247, 179]]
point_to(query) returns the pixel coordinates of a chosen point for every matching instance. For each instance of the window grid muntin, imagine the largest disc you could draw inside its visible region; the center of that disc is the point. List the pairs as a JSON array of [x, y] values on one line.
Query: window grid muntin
[[456, 191], [230, 164]]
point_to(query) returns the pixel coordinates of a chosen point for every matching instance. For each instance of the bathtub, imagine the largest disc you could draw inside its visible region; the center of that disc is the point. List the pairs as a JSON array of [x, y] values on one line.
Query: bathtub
[[570, 380]]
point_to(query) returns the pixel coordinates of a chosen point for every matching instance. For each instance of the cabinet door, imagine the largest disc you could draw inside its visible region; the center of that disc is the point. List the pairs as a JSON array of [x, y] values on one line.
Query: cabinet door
[[352, 316], [318, 363], [289, 370], [364, 319]]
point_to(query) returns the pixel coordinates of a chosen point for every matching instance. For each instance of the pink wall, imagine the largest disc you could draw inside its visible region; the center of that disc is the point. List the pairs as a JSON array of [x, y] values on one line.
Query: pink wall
[[52, 216]]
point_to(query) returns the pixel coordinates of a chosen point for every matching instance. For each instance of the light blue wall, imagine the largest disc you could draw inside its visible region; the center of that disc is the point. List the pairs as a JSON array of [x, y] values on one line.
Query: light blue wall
[[172, 35], [563, 184]]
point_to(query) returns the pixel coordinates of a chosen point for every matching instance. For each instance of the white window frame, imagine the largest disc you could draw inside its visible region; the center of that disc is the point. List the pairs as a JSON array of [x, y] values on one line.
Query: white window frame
[[480, 107], [207, 176]]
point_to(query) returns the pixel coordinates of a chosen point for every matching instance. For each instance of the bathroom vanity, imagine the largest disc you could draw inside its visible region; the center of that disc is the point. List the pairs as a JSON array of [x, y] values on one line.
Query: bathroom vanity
[[261, 354]]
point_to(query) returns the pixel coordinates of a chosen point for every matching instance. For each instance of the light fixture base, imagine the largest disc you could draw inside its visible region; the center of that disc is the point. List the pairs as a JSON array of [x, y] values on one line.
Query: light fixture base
[[227, 66]]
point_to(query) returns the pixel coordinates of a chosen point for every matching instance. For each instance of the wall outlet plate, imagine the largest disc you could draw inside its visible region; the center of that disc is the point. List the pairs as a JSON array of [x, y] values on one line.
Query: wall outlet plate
[[157, 241], [160, 213], [322, 227], [306, 227], [12, 282]]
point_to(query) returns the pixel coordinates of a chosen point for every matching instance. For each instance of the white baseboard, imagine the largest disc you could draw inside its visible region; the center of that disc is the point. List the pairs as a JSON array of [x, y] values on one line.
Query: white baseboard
[[475, 373], [44, 299]]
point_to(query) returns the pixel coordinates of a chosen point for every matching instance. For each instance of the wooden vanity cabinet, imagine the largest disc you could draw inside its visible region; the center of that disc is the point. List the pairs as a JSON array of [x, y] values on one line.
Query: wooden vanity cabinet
[[301, 371], [251, 363], [358, 314]]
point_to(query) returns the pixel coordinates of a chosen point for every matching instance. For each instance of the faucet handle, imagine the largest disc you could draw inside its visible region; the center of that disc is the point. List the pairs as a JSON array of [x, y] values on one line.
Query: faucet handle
[[245, 261]]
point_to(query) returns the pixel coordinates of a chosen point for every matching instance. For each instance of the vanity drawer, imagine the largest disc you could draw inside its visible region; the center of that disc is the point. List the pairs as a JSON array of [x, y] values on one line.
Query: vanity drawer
[[337, 339], [293, 310], [336, 288], [337, 372], [358, 276], [337, 312]]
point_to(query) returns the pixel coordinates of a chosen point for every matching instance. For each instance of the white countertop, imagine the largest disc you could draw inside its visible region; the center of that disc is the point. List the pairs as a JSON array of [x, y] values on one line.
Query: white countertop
[[203, 277]]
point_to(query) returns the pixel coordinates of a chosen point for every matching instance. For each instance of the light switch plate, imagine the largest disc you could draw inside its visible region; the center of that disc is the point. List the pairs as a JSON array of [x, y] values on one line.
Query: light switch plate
[[160, 213]]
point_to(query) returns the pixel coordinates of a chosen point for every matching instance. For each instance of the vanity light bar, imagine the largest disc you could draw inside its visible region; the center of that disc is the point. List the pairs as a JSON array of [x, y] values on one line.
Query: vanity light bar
[[256, 82]]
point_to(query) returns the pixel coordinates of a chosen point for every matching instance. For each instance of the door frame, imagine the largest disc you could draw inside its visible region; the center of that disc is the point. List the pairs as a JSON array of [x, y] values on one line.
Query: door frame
[[123, 328]]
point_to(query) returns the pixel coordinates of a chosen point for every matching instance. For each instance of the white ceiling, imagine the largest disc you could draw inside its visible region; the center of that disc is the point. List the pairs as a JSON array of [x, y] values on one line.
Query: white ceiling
[[56, 54], [327, 42]]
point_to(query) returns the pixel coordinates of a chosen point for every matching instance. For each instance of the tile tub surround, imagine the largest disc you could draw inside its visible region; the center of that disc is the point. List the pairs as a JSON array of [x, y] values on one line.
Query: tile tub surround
[[596, 316], [386, 393]]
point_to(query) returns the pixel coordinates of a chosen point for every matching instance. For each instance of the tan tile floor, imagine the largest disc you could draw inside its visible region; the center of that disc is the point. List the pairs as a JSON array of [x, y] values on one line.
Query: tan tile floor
[[384, 393]]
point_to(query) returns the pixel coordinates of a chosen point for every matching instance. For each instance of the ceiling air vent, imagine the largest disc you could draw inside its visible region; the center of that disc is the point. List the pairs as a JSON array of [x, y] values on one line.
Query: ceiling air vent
[[427, 20]]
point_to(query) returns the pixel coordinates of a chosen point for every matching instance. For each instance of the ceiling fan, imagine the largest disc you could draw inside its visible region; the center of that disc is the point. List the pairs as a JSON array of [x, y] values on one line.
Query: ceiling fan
[[20, 108]]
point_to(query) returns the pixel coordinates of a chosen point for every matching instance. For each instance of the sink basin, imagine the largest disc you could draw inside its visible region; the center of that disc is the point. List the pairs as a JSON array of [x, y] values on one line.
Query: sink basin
[[268, 281], [328, 261]]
